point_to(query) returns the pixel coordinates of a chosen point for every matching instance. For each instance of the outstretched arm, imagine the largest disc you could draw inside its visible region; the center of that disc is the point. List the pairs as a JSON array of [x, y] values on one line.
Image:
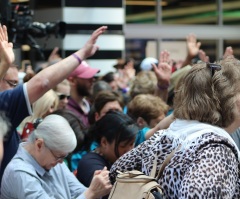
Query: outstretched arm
[[6, 51], [51, 76], [163, 124]]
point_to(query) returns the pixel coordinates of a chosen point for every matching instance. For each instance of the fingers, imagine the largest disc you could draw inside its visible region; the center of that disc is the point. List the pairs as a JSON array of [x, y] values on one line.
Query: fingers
[[10, 45], [97, 33], [1, 33], [54, 52], [97, 172], [5, 33], [154, 67], [191, 38], [228, 51], [164, 56], [198, 44], [105, 168]]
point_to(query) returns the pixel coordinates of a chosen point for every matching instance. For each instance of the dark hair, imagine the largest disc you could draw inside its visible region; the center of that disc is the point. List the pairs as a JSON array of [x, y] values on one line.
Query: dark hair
[[100, 86], [114, 126], [104, 97], [109, 77]]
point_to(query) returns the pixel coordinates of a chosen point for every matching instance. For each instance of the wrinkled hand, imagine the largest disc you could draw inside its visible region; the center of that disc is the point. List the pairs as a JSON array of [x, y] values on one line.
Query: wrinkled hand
[[202, 55], [163, 71], [6, 48], [90, 48], [192, 45], [100, 185], [54, 56], [228, 52]]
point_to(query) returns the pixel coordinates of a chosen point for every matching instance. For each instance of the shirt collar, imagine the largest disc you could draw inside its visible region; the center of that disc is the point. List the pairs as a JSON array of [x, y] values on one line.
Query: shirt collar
[[26, 156]]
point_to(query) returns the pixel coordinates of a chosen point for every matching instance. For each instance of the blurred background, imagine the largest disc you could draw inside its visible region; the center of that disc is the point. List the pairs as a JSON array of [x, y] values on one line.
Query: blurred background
[[136, 28]]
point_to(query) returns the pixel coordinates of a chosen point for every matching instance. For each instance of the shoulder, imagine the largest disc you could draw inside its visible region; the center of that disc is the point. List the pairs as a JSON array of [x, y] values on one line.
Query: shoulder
[[12, 94], [18, 173], [212, 140], [18, 165], [91, 157]]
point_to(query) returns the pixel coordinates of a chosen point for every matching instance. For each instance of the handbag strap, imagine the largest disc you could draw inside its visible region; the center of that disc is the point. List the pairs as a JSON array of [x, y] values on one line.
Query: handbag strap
[[164, 164]]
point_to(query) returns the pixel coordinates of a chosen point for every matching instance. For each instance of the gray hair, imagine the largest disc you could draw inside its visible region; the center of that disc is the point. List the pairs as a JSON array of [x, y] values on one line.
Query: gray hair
[[56, 133]]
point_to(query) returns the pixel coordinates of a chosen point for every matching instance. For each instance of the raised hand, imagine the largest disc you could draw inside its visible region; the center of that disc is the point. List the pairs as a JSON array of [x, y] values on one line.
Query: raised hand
[[90, 48], [100, 185], [203, 57], [6, 51], [228, 52], [192, 45], [164, 69], [54, 56]]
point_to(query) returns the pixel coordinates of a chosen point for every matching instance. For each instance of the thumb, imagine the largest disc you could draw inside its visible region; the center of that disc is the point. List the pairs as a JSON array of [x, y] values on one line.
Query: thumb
[[154, 67], [105, 168], [198, 44]]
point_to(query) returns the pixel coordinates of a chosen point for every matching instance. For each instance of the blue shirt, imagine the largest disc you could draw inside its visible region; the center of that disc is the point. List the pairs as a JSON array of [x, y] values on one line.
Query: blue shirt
[[78, 156], [15, 104], [141, 136], [25, 178]]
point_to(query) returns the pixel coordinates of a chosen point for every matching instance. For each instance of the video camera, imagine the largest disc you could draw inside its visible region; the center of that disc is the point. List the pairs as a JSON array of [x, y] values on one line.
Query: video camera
[[22, 23], [22, 29]]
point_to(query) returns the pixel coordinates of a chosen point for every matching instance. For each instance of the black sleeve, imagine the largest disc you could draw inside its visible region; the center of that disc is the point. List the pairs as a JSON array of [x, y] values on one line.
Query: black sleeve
[[88, 165]]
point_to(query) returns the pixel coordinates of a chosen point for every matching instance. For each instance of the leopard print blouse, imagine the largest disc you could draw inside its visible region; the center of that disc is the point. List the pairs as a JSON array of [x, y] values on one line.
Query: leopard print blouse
[[211, 170]]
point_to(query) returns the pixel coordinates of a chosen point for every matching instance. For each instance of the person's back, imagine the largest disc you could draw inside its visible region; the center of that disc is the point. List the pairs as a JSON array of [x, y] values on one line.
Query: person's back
[[206, 162]]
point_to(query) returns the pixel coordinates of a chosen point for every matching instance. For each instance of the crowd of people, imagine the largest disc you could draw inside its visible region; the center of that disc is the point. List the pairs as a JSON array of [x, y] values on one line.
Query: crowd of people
[[66, 131]]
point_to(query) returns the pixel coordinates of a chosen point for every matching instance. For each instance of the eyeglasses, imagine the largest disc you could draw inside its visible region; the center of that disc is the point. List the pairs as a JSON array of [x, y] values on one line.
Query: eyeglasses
[[62, 96], [57, 158], [214, 67], [11, 83]]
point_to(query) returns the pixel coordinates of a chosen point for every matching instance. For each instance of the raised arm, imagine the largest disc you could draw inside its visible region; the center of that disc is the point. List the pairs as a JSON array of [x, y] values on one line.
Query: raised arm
[[51, 76], [163, 124], [192, 49], [163, 73], [6, 51], [228, 52], [202, 56]]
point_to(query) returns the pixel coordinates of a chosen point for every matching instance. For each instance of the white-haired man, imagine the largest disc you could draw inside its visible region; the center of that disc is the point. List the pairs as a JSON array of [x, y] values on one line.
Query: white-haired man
[[36, 171]]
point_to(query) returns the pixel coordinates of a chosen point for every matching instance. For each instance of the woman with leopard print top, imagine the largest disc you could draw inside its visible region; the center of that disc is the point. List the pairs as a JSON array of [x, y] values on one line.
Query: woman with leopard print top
[[207, 108]]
